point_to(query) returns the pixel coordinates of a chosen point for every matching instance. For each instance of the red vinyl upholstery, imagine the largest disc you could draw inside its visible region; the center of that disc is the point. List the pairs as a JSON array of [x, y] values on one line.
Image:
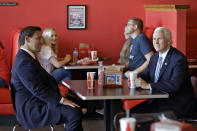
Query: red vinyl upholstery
[[148, 31], [4, 69], [15, 45], [6, 107], [5, 96], [63, 89], [129, 104]]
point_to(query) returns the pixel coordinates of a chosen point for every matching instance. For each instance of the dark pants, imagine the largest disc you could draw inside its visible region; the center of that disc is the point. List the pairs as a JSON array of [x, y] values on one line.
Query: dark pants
[[72, 117], [149, 106], [61, 74]]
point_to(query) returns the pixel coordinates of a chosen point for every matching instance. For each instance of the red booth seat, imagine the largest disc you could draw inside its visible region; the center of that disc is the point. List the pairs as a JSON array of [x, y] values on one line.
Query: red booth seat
[[148, 31], [5, 96], [6, 107], [63, 89], [4, 70], [5, 99], [15, 45]]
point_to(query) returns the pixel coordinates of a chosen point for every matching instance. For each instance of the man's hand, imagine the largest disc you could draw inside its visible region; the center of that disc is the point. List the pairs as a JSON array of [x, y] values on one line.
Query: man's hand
[[139, 82], [127, 74], [126, 65], [69, 103]]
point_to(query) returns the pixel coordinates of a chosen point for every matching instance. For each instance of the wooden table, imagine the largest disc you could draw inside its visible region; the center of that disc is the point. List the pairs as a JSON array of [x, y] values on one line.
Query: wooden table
[[94, 66], [193, 68], [192, 63], [108, 63], [79, 71], [111, 96]]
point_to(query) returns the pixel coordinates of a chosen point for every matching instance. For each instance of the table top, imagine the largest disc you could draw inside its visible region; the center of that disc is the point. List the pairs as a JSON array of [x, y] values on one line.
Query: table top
[[192, 66], [103, 93], [95, 65]]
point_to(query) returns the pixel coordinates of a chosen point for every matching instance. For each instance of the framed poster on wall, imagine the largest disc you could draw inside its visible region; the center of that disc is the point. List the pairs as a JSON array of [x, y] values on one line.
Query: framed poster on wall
[[76, 17]]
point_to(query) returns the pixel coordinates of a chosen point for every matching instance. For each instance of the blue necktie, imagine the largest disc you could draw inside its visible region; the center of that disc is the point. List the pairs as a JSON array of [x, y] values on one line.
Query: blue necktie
[[157, 71], [158, 68]]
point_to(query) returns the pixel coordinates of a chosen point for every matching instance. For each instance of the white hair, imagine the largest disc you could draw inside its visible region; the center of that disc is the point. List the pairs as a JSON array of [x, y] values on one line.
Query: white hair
[[167, 33]]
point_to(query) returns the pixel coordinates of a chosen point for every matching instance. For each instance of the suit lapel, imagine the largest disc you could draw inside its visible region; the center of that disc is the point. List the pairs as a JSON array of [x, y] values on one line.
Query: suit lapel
[[165, 63], [154, 65]]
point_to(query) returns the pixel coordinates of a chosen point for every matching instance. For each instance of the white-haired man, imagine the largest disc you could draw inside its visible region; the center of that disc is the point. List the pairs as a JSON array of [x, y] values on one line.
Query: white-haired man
[[167, 71]]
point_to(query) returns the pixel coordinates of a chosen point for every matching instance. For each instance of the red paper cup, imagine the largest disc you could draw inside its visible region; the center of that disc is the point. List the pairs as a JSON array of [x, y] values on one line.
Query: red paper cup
[[127, 124], [94, 55], [90, 80]]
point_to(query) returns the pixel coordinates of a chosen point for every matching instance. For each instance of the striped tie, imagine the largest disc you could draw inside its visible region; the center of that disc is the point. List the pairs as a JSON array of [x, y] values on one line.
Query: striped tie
[[159, 65]]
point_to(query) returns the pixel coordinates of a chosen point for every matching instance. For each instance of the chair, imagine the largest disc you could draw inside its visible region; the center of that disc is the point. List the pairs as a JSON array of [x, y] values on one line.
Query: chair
[[63, 90], [5, 99], [15, 46], [129, 104], [148, 31], [194, 84], [12, 93], [193, 119]]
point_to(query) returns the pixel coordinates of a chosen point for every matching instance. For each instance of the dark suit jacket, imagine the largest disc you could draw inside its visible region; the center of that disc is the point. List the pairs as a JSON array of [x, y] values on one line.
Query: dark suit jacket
[[37, 95], [174, 79]]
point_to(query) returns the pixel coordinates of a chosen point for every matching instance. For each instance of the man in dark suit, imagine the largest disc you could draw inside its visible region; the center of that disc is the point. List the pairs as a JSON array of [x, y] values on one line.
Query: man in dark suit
[[37, 98], [167, 71]]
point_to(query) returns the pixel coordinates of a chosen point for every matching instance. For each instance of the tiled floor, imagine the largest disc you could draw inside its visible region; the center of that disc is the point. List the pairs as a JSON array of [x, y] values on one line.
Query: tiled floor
[[93, 122], [88, 125]]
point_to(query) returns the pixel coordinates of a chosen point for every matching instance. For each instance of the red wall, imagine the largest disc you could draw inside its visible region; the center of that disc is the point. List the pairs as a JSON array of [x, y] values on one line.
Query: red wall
[[174, 20], [105, 21]]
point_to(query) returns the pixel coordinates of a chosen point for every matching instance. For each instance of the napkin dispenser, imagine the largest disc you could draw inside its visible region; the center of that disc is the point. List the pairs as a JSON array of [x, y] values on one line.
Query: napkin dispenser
[[113, 77]]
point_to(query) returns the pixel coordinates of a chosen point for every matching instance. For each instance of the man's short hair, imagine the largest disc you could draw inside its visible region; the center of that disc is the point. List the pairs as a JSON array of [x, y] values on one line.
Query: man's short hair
[[27, 31], [138, 22]]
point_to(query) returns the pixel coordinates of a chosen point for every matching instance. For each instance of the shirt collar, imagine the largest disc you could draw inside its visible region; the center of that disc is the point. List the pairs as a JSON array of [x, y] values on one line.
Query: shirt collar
[[163, 55], [29, 52]]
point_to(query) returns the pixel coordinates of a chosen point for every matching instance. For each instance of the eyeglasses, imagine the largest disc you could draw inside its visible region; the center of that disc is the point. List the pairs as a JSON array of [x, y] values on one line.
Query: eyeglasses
[[129, 24]]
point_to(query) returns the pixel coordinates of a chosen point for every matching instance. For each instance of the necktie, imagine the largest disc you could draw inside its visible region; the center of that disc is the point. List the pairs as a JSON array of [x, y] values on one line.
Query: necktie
[[158, 68]]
